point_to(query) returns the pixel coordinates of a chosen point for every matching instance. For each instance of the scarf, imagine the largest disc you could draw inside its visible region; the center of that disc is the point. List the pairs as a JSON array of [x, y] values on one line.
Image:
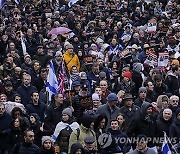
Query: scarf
[[61, 125]]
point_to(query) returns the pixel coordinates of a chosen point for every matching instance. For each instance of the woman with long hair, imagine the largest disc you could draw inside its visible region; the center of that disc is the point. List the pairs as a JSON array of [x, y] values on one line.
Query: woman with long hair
[[122, 123], [99, 127]]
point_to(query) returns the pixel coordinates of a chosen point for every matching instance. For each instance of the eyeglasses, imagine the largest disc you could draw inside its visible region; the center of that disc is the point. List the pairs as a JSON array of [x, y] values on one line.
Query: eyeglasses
[[175, 100], [142, 91]]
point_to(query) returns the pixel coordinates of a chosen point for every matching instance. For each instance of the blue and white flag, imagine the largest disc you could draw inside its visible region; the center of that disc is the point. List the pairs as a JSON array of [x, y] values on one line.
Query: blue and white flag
[[1, 3], [52, 83], [165, 147], [72, 2], [17, 1], [23, 43]]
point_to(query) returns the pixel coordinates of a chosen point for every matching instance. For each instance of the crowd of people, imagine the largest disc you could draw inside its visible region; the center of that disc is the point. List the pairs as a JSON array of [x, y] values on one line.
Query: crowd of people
[[119, 73]]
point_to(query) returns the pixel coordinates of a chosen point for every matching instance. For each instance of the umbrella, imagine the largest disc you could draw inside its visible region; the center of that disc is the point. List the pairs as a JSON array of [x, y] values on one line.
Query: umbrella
[[60, 30]]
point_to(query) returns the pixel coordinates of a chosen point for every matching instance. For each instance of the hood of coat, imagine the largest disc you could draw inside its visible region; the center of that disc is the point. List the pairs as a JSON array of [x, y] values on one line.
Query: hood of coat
[[74, 148], [160, 99], [144, 108]]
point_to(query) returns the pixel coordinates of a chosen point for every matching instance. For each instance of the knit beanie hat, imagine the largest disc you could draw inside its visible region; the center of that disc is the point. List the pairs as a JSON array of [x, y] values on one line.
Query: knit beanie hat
[[87, 120], [67, 111], [112, 97], [127, 74], [95, 97], [142, 89], [45, 138]]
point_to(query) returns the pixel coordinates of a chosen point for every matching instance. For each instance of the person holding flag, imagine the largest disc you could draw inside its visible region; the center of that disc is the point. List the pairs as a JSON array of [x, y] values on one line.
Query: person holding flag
[[52, 82], [165, 147]]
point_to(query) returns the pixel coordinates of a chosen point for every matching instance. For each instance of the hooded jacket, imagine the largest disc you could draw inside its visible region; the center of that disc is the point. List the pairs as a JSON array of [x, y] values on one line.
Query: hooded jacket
[[143, 123], [75, 147], [71, 60], [160, 100], [84, 131], [173, 83], [163, 125], [47, 131]]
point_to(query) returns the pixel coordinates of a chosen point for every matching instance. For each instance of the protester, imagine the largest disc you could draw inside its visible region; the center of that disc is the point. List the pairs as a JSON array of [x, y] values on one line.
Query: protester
[[27, 145], [56, 47], [64, 129], [47, 147]]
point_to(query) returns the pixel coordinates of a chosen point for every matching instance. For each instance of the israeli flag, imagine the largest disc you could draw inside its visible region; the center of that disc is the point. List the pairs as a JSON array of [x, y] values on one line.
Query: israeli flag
[[17, 1], [52, 83], [72, 2], [165, 147]]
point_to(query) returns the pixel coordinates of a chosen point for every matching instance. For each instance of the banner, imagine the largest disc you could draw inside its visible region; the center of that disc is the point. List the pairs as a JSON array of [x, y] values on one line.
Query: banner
[[152, 58], [163, 59]]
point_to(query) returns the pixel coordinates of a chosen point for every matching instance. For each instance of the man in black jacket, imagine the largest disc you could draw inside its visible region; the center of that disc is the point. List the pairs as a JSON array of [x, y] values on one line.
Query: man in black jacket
[[142, 97], [173, 81], [143, 123], [27, 147], [54, 110], [36, 106]]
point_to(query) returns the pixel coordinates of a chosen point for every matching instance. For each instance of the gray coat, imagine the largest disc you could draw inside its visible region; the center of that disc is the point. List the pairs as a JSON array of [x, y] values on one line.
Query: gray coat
[[111, 115], [149, 151]]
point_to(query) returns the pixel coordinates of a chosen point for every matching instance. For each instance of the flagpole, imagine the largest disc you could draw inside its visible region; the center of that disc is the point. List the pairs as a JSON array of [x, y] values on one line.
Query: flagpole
[[171, 144], [47, 98], [67, 77]]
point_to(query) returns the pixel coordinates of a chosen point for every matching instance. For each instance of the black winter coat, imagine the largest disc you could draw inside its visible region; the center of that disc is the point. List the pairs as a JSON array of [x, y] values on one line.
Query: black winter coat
[[117, 147], [174, 130], [137, 79], [47, 131], [163, 125], [44, 151], [163, 90], [54, 114], [43, 58], [14, 136], [173, 84], [139, 102], [143, 124], [5, 121], [25, 148], [39, 109], [25, 93]]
